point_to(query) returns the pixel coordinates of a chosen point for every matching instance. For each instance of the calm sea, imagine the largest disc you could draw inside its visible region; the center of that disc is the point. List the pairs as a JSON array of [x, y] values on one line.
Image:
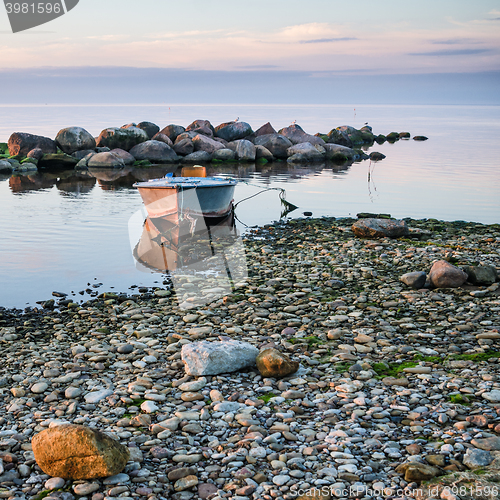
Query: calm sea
[[62, 233]]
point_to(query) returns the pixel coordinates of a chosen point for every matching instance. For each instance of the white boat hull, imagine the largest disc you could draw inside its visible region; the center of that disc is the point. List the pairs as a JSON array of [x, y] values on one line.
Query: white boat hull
[[199, 198]]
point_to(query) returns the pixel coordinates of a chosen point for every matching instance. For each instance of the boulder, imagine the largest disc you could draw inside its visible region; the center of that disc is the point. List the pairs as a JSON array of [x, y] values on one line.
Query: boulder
[[415, 279], [262, 152], [355, 135], [184, 147], [154, 151], [481, 275], [201, 127], [376, 156], [107, 159], [266, 129], [163, 138], [213, 358], [123, 138], [150, 128], [244, 150], [82, 154], [78, 452], [172, 131], [127, 158], [273, 363], [297, 136], [83, 163], [185, 135], [73, 139], [416, 471], [21, 144], [197, 157], [224, 154], [203, 143], [36, 153], [340, 137], [275, 143], [307, 152], [446, 275], [476, 459], [380, 228], [232, 131], [336, 152], [5, 166], [57, 160]]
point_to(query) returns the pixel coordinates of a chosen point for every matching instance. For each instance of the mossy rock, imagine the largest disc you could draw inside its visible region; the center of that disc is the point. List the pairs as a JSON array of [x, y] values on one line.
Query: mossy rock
[[142, 163], [392, 137], [380, 139], [29, 160], [4, 148], [262, 161], [339, 157]]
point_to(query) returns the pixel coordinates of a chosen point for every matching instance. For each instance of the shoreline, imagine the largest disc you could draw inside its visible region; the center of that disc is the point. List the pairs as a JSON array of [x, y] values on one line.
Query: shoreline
[[395, 385], [348, 220]]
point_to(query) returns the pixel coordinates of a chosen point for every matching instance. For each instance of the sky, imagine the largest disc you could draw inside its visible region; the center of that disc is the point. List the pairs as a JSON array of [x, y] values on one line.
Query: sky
[[270, 40]]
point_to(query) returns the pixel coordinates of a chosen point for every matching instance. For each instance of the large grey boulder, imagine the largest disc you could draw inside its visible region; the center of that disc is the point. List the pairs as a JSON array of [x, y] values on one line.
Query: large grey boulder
[[224, 154], [203, 143], [106, 159], [163, 138], [266, 129], [213, 358], [201, 127], [244, 150], [232, 131], [5, 166], [338, 152], [197, 157], [380, 228], [184, 147], [150, 128], [306, 151], [73, 139], [297, 135], [340, 137], [21, 143], [446, 275], [262, 152], [123, 138], [275, 143], [172, 131], [127, 158], [154, 151]]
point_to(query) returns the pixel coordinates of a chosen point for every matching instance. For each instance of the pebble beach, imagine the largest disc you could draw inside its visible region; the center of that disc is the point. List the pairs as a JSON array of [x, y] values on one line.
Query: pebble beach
[[396, 386]]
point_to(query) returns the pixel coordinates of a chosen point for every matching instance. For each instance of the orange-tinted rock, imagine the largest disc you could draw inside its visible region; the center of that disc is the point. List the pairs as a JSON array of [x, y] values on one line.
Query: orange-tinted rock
[[275, 364], [380, 228], [445, 275], [78, 452]]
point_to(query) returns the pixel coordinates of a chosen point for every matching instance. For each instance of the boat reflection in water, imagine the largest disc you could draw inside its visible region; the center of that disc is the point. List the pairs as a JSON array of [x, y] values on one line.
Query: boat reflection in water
[[204, 257]]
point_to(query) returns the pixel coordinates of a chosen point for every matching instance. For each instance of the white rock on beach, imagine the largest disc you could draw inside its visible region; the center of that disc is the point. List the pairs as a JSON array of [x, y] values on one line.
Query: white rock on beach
[[212, 358]]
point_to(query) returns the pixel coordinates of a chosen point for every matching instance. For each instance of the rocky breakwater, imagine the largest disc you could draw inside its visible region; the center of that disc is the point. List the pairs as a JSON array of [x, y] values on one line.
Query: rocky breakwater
[[144, 144], [375, 386]]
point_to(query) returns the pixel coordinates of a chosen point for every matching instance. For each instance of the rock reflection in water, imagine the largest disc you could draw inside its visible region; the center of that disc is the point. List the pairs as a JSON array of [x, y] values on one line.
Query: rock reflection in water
[[205, 259], [114, 179]]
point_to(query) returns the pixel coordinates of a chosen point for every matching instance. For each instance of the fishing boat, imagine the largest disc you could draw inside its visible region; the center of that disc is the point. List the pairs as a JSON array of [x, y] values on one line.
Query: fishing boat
[[196, 196]]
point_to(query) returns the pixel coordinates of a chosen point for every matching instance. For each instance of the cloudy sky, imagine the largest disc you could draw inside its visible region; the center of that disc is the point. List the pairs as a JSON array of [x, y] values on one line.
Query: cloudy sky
[[321, 35], [265, 39]]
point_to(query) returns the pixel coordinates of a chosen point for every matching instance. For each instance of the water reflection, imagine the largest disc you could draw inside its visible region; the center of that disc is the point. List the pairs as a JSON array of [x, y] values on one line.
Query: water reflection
[[204, 257], [114, 179]]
